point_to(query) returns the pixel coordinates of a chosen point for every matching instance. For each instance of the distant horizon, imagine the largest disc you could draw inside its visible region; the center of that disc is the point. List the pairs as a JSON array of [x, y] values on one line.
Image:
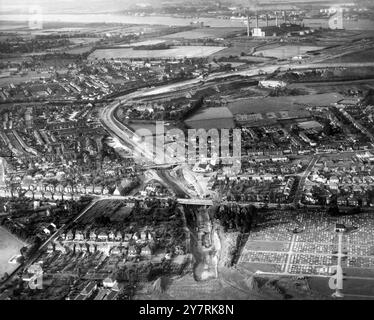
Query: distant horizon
[[100, 6]]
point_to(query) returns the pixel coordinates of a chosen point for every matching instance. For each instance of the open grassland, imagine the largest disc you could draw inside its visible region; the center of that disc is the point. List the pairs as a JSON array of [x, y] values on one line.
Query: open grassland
[[204, 33], [362, 56], [289, 103], [334, 86], [287, 51]]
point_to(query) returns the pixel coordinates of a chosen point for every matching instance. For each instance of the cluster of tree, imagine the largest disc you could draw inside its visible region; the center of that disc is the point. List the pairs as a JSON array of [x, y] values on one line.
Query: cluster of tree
[[328, 128], [133, 274], [28, 252], [24, 232], [239, 219], [194, 107], [334, 211], [307, 76], [102, 221], [158, 46], [32, 45], [368, 100], [278, 92], [66, 35]]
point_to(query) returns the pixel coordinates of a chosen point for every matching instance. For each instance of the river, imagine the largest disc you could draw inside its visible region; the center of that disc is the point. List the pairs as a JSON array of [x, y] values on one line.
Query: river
[[166, 20]]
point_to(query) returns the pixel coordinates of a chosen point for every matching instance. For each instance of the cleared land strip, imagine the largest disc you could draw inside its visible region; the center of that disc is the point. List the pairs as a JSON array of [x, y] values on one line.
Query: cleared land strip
[[310, 275], [306, 253]]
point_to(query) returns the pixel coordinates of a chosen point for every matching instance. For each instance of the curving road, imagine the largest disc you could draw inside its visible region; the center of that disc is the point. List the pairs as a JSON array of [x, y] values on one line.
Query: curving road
[[125, 134], [145, 154]]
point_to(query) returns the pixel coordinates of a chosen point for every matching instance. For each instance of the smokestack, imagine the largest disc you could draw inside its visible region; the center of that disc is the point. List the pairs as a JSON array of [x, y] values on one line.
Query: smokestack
[[248, 26], [284, 16], [256, 20], [267, 21], [276, 19]]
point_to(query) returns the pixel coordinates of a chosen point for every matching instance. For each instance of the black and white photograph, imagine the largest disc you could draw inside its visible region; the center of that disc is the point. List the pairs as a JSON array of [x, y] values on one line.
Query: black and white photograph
[[202, 151]]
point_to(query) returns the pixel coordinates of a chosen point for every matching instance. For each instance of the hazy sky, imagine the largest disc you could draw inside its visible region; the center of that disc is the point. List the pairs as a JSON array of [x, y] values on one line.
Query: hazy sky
[[67, 5]]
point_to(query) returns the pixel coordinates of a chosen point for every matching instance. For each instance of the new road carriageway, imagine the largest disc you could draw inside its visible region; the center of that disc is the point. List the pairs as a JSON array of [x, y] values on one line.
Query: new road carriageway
[[127, 136], [194, 201]]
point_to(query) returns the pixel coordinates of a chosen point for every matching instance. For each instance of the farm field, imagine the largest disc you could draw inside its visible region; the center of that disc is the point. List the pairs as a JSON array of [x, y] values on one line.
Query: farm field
[[174, 52], [79, 50], [83, 40], [31, 76], [143, 43], [290, 103], [9, 247], [237, 49], [362, 56], [9, 25], [285, 52], [205, 33], [334, 86], [254, 59]]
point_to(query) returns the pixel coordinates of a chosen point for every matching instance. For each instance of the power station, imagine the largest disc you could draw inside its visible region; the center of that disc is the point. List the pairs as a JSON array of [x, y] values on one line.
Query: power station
[[285, 27]]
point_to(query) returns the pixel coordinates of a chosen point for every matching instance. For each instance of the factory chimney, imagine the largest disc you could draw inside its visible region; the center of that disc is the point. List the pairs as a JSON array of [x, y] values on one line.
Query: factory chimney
[[276, 19], [267, 21], [248, 26], [284, 16], [256, 20]]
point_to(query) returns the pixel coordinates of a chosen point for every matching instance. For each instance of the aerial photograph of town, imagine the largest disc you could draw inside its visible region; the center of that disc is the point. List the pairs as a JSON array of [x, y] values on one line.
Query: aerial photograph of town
[[187, 150]]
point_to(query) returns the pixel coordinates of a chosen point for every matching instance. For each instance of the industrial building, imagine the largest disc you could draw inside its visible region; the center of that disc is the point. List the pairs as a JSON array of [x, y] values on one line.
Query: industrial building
[[286, 28]]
